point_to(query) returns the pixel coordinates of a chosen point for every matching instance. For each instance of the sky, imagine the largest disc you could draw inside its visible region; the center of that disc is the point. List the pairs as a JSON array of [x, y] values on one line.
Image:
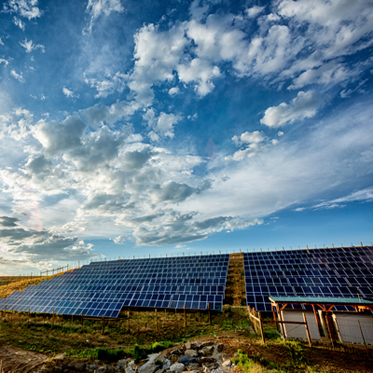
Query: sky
[[173, 127]]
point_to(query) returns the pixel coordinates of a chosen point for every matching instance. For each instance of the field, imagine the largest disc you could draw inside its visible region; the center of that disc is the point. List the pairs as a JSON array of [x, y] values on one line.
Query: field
[[44, 337]]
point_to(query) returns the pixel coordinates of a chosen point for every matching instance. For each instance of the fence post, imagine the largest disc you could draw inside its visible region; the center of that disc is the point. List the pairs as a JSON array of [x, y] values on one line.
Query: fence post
[[103, 323], [28, 316], [185, 317], [81, 321], [156, 318], [53, 319], [361, 330], [307, 330], [128, 321], [208, 307], [261, 327]]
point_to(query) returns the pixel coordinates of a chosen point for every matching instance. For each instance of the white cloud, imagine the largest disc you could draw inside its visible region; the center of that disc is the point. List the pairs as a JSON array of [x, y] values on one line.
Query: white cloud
[[162, 125], [174, 91], [19, 23], [68, 92], [254, 11], [30, 46], [109, 85], [120, 239], [24, 8], [5, 62], [97, 8], [305, 105], [248, 137], [17, 76]]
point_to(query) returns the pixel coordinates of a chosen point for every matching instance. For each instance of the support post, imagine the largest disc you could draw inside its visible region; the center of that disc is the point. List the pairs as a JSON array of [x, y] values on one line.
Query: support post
[[274, 316], [156, 318], [209, 312], [128, 321], [261, 327], [307, 330], [81, 322], [103, 323], [28, 316], [185, 317], [317, 318], [361, 331], [281, 324]]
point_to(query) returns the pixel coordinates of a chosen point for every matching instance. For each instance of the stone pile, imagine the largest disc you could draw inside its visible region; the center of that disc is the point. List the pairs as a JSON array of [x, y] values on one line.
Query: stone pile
[[193, 357]]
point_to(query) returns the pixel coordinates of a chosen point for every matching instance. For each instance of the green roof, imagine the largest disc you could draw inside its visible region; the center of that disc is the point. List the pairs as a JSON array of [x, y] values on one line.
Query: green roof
[[321, 300]]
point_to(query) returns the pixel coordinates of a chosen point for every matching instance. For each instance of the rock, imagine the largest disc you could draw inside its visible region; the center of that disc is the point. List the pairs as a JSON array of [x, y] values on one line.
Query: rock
[[177, 367], [194, 367], [80, 367], [92, 367], [206, 344], [174, 358], [166, 364], [187, 360], [227, 363], [207, 351], [188, 345], [132, 364], [206, 370], [102, 369], [129, 369], [194, 345], [178, 351], [192, 353], [122, 363], [110, 369], [150, 366], [216, 371], [220, 347], [207, 360]]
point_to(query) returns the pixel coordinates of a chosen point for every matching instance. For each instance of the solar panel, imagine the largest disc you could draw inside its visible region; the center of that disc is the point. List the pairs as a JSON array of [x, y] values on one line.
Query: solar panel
[[103, 288], [339, 272]]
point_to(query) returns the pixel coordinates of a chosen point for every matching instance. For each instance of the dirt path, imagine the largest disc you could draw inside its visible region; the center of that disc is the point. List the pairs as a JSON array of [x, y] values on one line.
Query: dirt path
[[19, 361]]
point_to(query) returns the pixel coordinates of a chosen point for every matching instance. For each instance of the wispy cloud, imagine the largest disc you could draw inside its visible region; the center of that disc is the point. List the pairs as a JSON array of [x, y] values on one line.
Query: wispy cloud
[[30, 46]]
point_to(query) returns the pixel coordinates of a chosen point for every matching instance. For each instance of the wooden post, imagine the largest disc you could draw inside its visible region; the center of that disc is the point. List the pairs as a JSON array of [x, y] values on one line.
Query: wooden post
[[261, 327], [128, 321], [307, 330], [185, 317], [156, 319], [361, 331], [103, 323], [28, 316], [330, 330], [81, 321], [281, 324], [53, 319], [274, 316], [317, 318], [11, 314], [208, 308]]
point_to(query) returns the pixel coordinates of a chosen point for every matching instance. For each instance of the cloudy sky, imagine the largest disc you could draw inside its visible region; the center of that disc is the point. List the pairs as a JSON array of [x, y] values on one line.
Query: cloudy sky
[[137, 127]]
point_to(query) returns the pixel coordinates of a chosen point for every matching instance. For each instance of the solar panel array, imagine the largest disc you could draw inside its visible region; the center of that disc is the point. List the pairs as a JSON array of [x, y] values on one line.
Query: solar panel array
[[339, 272], [103, 288]]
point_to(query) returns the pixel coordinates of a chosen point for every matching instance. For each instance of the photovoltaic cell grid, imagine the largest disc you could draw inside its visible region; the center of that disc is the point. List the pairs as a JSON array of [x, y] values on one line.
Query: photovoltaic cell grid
[[103, 288], [340, 272]]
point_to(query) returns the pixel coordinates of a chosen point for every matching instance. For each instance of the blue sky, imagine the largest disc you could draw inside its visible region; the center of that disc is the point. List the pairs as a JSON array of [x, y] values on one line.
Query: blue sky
[[130, 128]]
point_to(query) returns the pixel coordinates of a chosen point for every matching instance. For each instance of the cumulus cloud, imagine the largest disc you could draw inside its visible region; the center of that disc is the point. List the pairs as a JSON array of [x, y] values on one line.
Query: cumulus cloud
[[109, 85], [30, 46], [305, 105], [162, 125], [19, 23], [120, 239]]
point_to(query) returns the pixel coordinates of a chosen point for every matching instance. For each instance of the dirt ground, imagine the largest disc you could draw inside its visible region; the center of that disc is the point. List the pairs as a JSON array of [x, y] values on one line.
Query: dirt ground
[[17, 360], [357, 360]]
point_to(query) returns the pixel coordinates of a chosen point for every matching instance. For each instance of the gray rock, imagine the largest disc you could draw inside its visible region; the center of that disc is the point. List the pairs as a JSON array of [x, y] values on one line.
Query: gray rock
[[220, 347], [207, 351], [188, 345], [122, 363], [187, 360], [102, 369], [194, 367], [206, 344], [129, 369], [150, 367], [132, 364], [178, 351], [227, 363], [166, 364], [216, 371], [177, 367], [195, 345], [192, 353], [206, 370], [92, 367]]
